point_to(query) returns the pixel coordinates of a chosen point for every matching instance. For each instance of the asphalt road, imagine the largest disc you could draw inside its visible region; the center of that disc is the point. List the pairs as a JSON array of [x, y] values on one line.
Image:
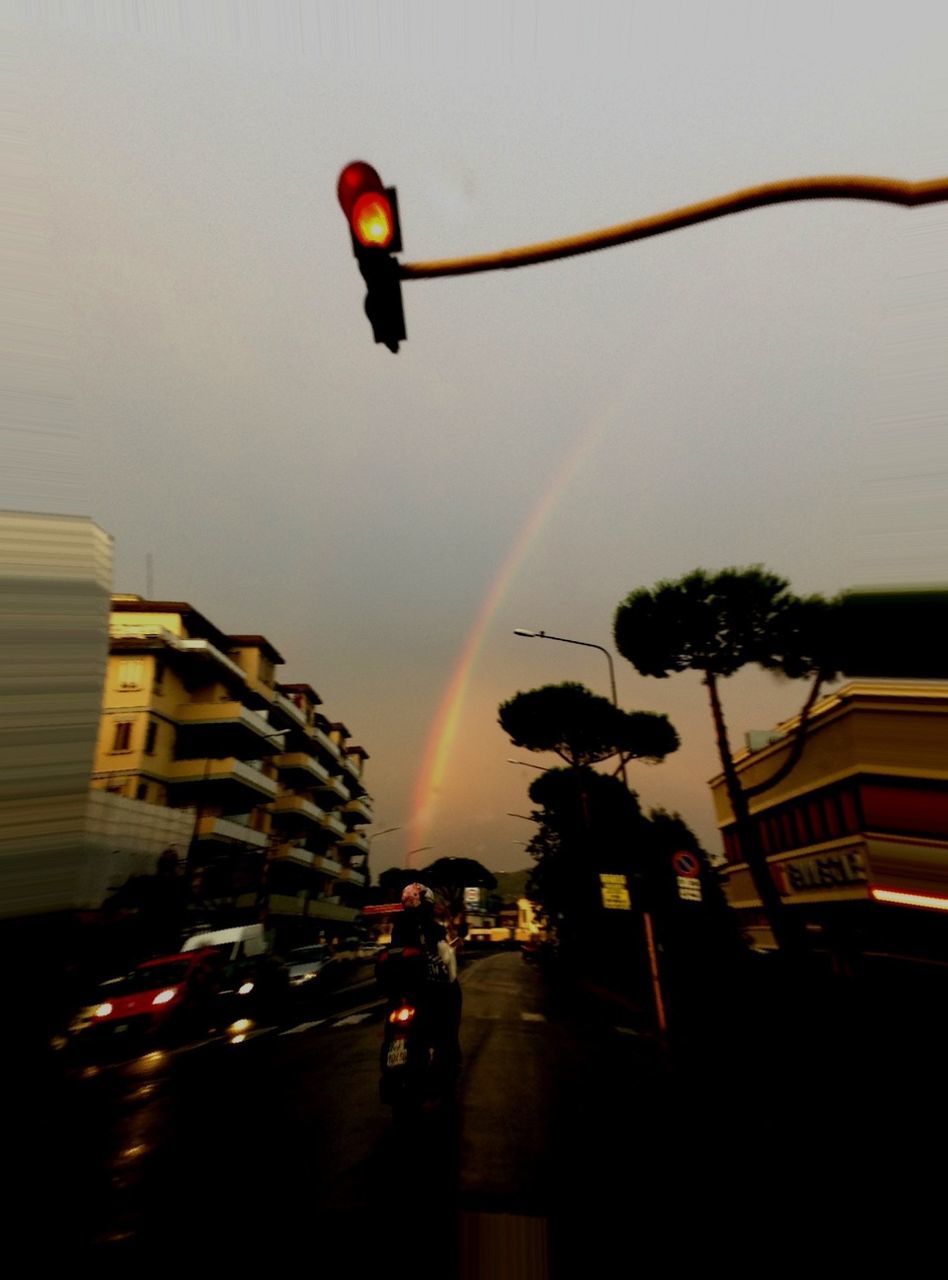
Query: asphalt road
[[278, 1147], [572, 1142]]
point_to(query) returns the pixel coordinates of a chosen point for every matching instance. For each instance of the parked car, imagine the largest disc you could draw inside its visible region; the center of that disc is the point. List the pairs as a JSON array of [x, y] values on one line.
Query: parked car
[[164, 999], [254, 982], [309, 969]]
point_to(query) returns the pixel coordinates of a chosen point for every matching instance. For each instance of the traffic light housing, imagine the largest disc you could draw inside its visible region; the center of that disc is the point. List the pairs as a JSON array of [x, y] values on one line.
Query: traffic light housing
[[371, 210]]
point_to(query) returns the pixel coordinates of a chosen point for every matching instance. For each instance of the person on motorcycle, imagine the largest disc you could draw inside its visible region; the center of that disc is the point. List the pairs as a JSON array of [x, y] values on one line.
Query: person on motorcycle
[[418, 927]]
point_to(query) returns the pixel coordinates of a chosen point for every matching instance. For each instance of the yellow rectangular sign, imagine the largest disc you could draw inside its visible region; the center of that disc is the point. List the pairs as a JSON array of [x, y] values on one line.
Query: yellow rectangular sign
[[615, 893]]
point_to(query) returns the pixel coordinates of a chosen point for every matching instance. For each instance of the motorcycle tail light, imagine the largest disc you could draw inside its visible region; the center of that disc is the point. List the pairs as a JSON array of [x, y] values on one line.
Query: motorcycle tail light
[[402, 1016]]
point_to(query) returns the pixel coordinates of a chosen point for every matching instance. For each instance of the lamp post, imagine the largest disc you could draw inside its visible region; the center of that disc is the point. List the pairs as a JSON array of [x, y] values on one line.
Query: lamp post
[[368, 856], [421, 849], [660, 1017]]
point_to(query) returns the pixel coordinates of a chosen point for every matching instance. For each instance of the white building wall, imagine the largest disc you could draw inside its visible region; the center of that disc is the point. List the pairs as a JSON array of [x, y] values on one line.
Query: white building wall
[[124, 838], [55, 579]]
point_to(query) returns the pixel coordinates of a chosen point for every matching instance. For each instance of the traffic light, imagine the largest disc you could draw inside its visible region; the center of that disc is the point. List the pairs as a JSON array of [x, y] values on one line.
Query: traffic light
[[372, 213]]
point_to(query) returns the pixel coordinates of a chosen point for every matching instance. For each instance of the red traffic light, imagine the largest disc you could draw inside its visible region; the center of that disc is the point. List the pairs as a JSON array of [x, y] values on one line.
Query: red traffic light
[[373, 223], [371, 210], [367, 205]]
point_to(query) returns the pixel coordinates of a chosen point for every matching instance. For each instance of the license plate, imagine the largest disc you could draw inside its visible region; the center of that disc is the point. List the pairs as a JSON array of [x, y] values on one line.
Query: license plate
[[397, 1053]]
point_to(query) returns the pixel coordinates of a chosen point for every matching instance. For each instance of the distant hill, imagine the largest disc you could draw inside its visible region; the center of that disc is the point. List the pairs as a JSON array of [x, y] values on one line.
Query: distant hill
[[511, 885]]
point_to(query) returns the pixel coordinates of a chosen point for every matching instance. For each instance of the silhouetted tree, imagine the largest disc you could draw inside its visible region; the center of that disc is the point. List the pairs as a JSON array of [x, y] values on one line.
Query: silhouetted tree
[[583, 728], [717, 624]]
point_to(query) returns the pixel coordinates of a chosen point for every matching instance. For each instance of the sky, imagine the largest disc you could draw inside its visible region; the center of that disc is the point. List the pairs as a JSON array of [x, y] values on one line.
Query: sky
[[195, 372]]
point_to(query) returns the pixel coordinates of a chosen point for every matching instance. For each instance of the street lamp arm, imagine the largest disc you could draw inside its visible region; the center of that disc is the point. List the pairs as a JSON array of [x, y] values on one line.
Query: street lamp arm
[[586, 644], [843, 187]]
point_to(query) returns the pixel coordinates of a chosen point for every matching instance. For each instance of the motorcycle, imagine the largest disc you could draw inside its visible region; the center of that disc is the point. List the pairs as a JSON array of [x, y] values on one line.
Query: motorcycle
[[418, 1062]]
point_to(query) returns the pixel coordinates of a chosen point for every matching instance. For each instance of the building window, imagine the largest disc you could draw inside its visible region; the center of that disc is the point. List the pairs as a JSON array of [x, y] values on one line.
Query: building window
[[130, 674], [802, 826], [123, 736], [142, 792], [151, 737], [159, 675], [847, 803], [786, 825], [815, 813], [831, 816]]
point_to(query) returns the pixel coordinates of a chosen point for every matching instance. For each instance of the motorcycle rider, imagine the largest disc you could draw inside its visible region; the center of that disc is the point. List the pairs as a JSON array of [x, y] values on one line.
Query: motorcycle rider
[[418, 928]]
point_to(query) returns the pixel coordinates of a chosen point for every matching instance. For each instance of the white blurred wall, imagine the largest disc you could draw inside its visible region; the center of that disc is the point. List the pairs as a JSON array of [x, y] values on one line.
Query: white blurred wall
[[55, 583]]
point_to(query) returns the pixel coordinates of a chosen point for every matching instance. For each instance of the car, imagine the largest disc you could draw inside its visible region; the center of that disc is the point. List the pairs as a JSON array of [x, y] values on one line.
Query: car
[[308, 967], [255, 983], [160, 1000]]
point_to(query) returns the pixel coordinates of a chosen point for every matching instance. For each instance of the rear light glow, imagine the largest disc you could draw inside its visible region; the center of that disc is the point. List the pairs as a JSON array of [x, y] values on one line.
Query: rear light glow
[[166, 996], [930, 900], [402, 1016], [372, 220], [103, 1010]]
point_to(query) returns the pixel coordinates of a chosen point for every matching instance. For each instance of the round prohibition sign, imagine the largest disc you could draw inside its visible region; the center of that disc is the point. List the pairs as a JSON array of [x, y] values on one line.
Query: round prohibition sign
[[686, 864]]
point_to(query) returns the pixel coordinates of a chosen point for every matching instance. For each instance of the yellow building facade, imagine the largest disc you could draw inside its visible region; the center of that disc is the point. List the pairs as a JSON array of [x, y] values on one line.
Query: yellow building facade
[[858, 830], [195, 719]]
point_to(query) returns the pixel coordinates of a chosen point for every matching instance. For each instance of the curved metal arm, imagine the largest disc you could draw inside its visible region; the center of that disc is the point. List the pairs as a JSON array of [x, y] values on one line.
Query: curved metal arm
[[845, 187]]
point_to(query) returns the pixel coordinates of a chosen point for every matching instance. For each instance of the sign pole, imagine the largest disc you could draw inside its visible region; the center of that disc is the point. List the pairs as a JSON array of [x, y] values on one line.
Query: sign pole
[[656, 980]]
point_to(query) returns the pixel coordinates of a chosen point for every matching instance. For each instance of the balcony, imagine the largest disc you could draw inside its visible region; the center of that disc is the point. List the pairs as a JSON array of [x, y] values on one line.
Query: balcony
[[358, 810], [353, 765], [334, 790], [287, 712], [354, 842], [305, 767], [328, 865], [234, 783], [331, 823], [351, 876], [211, 828], [293, 853], [325, 746], [298, 807], [222, 729]]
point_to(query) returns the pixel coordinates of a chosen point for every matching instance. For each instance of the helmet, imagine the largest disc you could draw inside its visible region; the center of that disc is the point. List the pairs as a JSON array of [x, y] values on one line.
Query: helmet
[[417, 895]]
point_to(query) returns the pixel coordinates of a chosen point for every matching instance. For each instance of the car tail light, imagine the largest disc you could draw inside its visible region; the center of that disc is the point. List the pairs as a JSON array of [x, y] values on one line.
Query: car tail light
[[166, 996], [402, 1016]]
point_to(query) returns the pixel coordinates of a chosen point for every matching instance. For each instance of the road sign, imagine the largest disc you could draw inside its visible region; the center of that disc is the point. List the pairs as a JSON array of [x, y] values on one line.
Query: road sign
[[686, 863], [689, 889], [615, 893]]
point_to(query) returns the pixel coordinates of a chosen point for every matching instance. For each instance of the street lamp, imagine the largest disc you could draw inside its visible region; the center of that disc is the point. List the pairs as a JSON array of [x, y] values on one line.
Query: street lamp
[[421, 849], [646, 916], [586, 644]]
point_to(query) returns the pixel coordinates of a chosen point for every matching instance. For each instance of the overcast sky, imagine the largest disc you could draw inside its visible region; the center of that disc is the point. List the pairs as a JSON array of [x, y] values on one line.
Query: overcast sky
[[200, 377]]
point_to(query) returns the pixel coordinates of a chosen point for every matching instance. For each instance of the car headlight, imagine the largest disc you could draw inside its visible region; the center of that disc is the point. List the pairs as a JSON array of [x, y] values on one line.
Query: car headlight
[[245, 989], [166, 996], [103, 1010]]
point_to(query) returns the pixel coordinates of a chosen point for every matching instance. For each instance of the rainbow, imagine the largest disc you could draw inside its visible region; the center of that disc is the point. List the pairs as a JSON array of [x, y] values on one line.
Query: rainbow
[[447, 717]]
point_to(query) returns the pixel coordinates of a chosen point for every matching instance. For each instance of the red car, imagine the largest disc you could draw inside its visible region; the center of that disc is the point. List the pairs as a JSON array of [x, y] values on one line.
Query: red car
[[160, 998]]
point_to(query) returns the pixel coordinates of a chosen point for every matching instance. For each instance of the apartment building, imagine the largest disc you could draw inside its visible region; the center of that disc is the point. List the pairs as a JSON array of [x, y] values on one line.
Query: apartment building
[[195, 719]]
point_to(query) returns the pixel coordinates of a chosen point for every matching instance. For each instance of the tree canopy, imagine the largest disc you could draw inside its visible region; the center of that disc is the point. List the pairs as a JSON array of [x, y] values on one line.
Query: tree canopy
[[719, 623], [582, 727]]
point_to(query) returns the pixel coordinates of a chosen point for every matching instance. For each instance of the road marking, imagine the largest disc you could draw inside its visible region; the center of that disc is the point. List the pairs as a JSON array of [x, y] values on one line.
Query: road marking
[[303, 1026], [352, 1020], [533, 1017]]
